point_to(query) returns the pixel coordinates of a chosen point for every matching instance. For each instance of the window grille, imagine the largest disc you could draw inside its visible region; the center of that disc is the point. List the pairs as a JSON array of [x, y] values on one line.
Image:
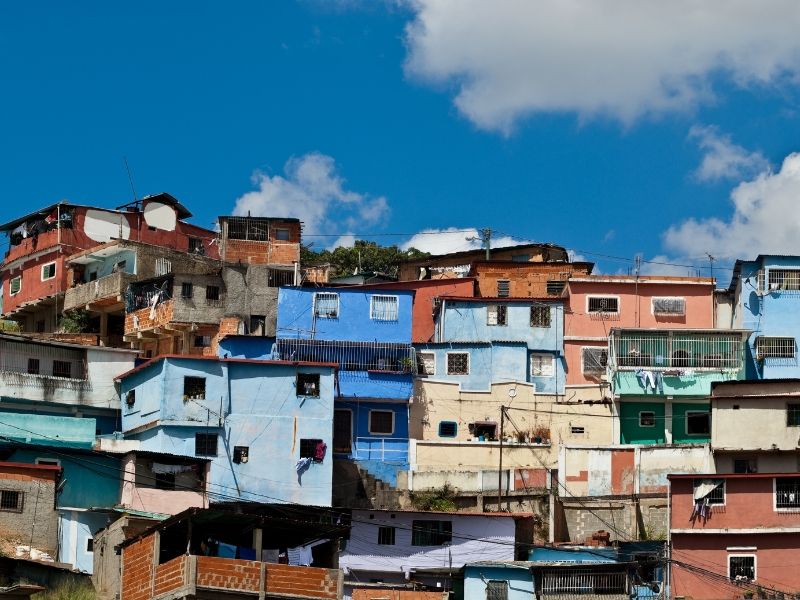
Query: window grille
[[793, 415], [542, 365], [381, 422], [140, 295], [248, 228], [742, 568], [603, 304], [33, 366], [496, 314], [187, 289], [326, 305], [540, 316], [163, 267], [205, 444], [458, 363], [496, 590], [715, 496], [212, 292], [784, 279], [668, 350], [426, 363], [350, 356], [62, 368], [503, 288], [775, 347], [11, 500], [386, 536], [669, 306], [594, 360], [787, 492], [431, 533], [555, 287], [279, 277], [384, 308], [572, 582]]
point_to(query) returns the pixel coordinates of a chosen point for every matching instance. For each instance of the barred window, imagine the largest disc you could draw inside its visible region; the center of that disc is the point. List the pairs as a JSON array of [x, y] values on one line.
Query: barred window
[[187, 289], [205, 444], [497, 314], [496, 590], [594, 360], [326, 305], [386, 536], [784, 279], [542, 365], [603, 304], [715, 495], [212, 292], [426, 363], [458, 363], [381, 422], [383, 308], [540, 316], [62, 368], [787, 492], [555, 287], [431, 533], [11, 500], [503, 288], [775, 347], [742, 567]]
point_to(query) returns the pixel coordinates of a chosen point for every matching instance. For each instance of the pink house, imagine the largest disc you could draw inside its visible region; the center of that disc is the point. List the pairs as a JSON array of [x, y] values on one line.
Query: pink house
[[733, 534], [598, 303]]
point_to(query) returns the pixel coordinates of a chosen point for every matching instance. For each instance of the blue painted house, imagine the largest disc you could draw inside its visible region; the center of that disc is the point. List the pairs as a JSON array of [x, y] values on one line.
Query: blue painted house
[[765, 299], [266, 426], [366, 332], [484, 340]]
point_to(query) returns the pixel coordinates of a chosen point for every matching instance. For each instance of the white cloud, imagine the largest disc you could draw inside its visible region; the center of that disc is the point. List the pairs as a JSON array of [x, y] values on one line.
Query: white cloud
[[621, 58], [347, 240], [312, 190], [722, 159], [766, 219], [452, 239]]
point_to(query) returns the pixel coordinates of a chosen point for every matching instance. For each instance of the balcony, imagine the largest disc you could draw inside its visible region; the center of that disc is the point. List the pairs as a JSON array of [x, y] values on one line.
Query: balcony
[[372, 357], [106, 292]]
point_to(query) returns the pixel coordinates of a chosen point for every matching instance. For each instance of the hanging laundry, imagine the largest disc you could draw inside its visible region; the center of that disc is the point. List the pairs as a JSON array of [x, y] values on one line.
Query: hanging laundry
[[659, 385], [301, 466], [300, 556], [649, 380], [319, 451], [171, 469], [640, 378]]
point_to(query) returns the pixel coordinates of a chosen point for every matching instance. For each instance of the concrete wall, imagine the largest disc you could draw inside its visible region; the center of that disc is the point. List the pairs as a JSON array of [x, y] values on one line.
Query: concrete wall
[[76, 528], [138, 489], [107, 563], [36, 524], [296, 316], [247, 293], [519, 578], [624, 518]]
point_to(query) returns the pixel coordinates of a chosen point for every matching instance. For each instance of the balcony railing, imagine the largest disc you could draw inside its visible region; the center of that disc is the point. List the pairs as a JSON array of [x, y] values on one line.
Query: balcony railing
[[383, 449], [350, 356], [676, 350]]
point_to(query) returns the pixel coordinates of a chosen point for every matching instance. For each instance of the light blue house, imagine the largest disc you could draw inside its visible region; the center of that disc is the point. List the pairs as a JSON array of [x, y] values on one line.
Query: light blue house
[[484, 340], [367, 333], [765, 298], [266, 426]]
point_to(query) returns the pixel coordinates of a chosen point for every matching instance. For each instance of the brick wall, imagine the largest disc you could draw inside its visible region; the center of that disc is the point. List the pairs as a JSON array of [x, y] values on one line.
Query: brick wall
[[228, 574], [262, 253], [526, 280], [137, 569], [306, 582], [378, 594], [170, 576], [163, 315]]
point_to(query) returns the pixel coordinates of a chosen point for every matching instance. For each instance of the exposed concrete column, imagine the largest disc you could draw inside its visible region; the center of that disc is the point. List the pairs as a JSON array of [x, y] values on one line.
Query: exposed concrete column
[[103, 328], [668, 420]]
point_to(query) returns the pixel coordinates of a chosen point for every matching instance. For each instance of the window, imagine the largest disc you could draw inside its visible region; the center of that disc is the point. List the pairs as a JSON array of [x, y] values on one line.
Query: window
[[205, 444], [458, 363], [48, 271], [647, 419], [187, 289], [241, 454], [258, 325], [713, 491], [603, 304], [196, 246], [669, 306], [194, 388], [130, 398], [326, 305], [93, 276], [62, 368], [503, 287], [745, 465], [594, 360], [542, 365], [33, 366], [165, 481], [11, 500], [793, 415], [212, 292], [201, 341], [698, 422], [90, 544], [162, 267], [448, 429], [540, 316], [787, 492], [784, 279], [381, 422], [774, 347], [53, 462], [308, 384], [496, 590], [426, 363], [119, 267], [309, 446], [383, 308], [15, 285], [386, 536], [431, 533], [555, 287], [742, 567], [577, 430], [487, 429], [496, 314], [282, 235]]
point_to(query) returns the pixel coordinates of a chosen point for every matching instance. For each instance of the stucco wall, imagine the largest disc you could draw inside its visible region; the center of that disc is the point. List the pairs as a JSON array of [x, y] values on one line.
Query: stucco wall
[[756, 422]]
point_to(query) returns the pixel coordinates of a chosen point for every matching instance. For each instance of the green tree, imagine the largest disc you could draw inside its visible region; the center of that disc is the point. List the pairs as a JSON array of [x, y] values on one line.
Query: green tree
[[364, 256]]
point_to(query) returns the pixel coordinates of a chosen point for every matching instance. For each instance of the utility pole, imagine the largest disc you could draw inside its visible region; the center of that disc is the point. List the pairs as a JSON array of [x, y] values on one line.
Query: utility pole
[[500, 466], [711, 260], [486, 238]]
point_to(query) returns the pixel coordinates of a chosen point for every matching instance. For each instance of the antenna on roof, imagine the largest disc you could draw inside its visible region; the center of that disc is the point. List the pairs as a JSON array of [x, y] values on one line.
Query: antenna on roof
[[711, 260]]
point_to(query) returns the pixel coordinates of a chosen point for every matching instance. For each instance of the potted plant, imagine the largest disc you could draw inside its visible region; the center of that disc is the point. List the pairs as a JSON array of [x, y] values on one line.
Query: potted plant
[[540, 434]]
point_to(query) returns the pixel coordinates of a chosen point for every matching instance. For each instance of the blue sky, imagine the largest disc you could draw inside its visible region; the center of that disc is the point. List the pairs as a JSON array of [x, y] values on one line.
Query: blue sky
[[632, 131]]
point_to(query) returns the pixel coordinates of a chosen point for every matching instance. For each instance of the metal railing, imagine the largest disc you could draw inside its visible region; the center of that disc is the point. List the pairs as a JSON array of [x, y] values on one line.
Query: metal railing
[[574, 582], [676, 350], [42, 360], [370, 448], [350, 356]]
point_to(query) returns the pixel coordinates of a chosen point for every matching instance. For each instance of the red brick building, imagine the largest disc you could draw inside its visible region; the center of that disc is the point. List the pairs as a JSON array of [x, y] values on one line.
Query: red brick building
[[734, 534]]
